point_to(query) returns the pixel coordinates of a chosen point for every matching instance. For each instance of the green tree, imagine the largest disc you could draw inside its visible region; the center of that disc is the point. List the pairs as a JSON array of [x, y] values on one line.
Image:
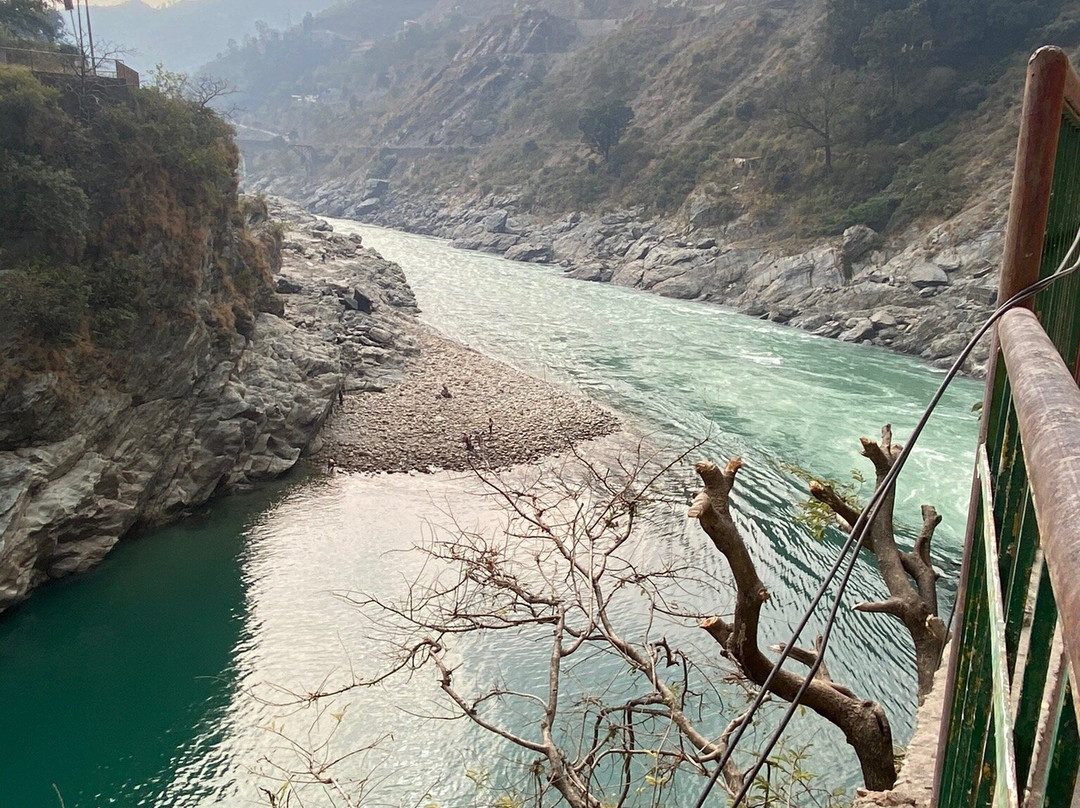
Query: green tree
[[603, 127], [42, 208], [893, 40], [29, 20]]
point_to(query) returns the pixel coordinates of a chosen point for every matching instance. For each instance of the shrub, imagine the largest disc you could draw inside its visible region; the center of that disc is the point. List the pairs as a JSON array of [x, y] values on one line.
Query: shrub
[[116, 295], [745, 109], [45, 302], [43, 210], [603, 127], [928, 187], [875, 212]]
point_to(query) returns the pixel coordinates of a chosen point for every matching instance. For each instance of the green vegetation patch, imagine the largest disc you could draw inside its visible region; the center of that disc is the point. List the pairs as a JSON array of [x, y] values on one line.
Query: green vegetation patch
[[117, 206]]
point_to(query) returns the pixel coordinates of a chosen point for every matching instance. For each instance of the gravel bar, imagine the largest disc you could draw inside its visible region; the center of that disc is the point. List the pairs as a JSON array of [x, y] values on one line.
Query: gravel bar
[[508, 417]]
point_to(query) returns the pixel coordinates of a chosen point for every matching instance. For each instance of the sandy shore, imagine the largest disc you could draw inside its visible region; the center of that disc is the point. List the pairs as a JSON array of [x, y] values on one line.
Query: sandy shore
[[508, 416]]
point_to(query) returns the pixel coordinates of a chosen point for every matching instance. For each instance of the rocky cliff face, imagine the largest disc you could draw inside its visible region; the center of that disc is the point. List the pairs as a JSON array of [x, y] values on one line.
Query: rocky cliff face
[[91, 447]]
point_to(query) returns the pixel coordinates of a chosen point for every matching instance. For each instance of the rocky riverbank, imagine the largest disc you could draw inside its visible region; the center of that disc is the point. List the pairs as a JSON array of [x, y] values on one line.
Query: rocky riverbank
[[923, 293]]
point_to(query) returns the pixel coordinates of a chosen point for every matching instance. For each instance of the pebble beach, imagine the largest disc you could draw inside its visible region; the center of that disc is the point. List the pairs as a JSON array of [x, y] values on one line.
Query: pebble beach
[[489, 415]]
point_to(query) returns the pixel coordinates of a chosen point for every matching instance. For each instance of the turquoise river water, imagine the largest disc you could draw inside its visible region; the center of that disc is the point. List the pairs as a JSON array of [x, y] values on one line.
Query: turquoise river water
[[165, 676]]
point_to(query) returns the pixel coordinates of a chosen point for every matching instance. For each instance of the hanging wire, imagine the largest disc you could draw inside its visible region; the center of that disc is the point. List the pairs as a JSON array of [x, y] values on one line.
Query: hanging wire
[[855, 542]]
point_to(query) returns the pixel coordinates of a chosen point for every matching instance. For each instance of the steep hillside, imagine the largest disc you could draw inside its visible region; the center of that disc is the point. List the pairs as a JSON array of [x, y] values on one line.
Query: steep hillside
[[766, 128], [340, 74], [805, 115], [329, 56]]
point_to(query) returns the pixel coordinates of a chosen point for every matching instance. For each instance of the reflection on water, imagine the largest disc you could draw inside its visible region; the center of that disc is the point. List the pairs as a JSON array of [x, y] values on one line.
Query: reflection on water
[[158, 678]]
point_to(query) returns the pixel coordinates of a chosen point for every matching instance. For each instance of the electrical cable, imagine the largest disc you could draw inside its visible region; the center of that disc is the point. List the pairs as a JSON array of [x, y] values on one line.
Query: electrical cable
[[856, 540]]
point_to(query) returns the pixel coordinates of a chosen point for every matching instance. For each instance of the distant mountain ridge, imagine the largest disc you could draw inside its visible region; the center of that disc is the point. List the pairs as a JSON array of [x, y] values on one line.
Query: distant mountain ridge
[[190, 33]]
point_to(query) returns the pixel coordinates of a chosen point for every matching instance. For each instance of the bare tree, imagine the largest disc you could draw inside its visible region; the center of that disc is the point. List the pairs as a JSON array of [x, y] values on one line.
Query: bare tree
[[577, 550], [203, 90], [576, 567], [310, 764], [863, 722], [200, 90], [910, 576], [564, 565], [812, 102]]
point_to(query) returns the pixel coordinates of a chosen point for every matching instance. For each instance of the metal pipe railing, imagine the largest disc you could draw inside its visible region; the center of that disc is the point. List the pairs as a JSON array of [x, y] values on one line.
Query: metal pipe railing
[[1047, 404], [1044, 214]]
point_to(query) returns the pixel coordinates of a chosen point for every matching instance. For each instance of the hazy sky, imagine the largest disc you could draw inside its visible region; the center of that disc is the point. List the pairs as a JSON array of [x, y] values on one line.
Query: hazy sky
[[117, 2]]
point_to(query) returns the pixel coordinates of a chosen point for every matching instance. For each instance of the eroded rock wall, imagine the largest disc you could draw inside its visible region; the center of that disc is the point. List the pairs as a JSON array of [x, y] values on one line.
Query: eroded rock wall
[[91, 447]]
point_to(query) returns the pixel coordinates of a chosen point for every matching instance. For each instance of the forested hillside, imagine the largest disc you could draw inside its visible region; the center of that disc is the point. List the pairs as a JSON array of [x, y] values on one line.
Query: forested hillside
[[803, 116]]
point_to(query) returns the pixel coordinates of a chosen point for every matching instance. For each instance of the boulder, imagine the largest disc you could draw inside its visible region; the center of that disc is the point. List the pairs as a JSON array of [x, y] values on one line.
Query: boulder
[[495, 222], [661, 259], [532, 253], [618, 217], [639, 249], [376, 188], [926, 275], [830, 328], [360, 302], [593, 271], [949, 260], [366, 206], [809, 322], [947, 345], [858, 329], [684, 286], [883, 319], [857, 241], [783, 314], [628, 274], [485, 127]]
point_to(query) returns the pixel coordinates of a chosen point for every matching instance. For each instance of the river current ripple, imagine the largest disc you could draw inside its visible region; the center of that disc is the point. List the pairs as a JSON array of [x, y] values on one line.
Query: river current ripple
[[133, 685]]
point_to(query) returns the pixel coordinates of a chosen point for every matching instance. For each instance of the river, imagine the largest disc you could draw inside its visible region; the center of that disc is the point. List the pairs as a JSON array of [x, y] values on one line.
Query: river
[[157, 679]]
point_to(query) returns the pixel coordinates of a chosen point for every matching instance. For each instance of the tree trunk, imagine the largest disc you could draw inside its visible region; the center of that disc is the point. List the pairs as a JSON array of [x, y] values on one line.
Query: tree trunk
[[909, 577], [863, 722]]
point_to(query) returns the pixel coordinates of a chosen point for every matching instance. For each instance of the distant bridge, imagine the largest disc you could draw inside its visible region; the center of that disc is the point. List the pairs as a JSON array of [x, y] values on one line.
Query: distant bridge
[[253, 140]]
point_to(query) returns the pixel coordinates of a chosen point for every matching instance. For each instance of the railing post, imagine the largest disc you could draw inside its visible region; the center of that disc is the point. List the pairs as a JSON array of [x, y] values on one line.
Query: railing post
[[1036, 151]]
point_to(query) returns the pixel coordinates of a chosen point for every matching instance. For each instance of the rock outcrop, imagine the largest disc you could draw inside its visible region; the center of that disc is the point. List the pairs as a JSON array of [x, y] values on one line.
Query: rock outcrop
[[89, 450]]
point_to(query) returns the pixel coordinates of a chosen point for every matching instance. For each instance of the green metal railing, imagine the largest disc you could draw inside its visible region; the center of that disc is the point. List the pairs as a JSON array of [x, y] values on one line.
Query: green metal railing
[[1009, 729]]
